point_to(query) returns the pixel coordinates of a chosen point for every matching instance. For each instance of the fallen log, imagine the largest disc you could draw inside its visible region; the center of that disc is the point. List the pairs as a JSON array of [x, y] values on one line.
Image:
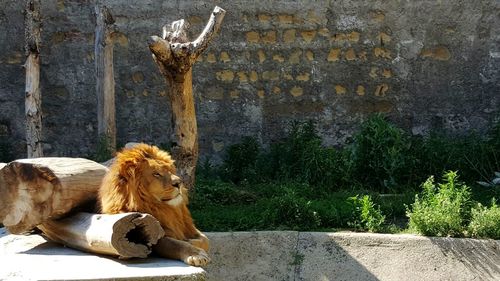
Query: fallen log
[[33, 191], [125, 235]]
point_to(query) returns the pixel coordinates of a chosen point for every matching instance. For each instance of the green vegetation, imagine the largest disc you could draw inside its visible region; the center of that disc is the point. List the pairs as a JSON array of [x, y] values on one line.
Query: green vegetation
[[367, 217], [485, 222], [441, 210], [297, 183]]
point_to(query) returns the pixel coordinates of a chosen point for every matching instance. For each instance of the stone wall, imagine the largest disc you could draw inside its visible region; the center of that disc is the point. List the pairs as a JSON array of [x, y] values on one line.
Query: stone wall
[[428, 64]]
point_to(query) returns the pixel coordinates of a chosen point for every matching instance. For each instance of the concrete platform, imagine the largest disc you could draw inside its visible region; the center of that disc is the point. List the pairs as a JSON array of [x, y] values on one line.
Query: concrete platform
[[34, 258], [350, 256], [268, 255]]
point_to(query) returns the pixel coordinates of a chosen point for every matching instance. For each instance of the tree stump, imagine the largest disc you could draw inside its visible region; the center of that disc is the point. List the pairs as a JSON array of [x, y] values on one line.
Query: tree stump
[[33, 191], [175, 55]]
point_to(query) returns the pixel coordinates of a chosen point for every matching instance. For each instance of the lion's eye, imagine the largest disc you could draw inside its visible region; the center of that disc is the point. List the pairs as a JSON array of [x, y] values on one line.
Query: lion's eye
[[156, 175]]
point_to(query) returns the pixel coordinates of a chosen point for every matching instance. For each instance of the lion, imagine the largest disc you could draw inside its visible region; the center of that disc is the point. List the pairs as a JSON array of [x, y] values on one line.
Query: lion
[[143, 179]]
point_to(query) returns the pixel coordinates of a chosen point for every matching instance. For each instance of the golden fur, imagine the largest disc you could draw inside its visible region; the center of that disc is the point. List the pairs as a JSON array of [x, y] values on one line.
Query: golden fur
[[143, 179]]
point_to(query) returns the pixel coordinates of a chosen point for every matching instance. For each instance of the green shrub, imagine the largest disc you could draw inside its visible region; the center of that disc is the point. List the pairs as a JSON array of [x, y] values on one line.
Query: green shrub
[[301, 157], [476, 156], [380, 156], [240, 160], [217, 192], [368, 217], [291, 211], [334, 211], [442, 210], [485, 222]]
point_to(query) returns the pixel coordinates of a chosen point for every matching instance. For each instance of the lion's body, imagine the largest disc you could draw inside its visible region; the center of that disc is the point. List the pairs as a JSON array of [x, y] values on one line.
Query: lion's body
[[142, 179]]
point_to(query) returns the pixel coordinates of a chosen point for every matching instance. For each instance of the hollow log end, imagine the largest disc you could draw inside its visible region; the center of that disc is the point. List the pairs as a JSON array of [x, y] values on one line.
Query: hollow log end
[[150, 228], [135, 234], [27, 192]]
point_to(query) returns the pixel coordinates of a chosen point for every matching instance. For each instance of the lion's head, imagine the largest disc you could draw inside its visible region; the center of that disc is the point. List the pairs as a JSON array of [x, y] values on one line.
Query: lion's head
[[141, 179]]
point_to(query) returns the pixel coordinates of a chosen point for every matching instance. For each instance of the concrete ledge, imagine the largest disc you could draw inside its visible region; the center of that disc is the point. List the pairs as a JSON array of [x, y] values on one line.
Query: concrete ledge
[[34, 258], [284, 255], [350, 256]]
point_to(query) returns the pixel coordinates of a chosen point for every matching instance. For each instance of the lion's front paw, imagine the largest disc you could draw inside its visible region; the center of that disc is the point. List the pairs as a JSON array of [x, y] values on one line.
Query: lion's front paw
[[199, 259]]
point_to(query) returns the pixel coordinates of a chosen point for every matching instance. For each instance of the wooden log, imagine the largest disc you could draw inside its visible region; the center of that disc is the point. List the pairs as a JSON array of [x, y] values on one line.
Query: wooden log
[[33, 96], [175, 56], [127, 235], [35, 190], [105, 81]]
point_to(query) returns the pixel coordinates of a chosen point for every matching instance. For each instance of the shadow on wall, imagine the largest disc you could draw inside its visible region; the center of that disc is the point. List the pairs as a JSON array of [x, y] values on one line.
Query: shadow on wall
[[324, 258], [482, 257]]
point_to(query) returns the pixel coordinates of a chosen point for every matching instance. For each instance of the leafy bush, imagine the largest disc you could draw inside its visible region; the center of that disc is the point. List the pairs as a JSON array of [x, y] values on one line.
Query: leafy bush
[[301, 157], [367, 215], [297, 183], [475, 156], [240, 160], [334, 211], [485, 222], [442, 210], [217, 192], [292, 212], [381, 157]]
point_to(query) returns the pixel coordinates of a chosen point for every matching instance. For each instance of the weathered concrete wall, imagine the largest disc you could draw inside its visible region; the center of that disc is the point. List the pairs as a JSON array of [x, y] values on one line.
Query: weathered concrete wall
[[289, 255], [428, 64]]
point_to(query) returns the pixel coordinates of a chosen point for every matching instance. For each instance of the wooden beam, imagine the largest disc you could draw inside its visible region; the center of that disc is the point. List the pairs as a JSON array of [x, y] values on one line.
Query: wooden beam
[[33, 96], [105, 81]]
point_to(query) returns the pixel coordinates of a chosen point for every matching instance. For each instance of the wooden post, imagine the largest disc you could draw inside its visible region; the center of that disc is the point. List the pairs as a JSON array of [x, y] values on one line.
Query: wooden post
[[105, 81], [175, 56], [127, 235], [33, 96], [35, 190]]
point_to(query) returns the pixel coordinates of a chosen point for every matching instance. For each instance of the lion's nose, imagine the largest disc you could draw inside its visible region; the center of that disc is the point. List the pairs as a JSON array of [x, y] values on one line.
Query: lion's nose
[[176, 181]]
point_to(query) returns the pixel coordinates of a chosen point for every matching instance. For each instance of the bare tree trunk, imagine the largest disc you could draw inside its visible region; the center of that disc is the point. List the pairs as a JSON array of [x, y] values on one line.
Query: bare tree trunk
[[105, 81], [35, 190], [125, 235], [33, 102], [175, 56]]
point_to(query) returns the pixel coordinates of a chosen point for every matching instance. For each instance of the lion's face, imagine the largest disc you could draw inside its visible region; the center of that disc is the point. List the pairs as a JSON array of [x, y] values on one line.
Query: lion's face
[[161, 182]]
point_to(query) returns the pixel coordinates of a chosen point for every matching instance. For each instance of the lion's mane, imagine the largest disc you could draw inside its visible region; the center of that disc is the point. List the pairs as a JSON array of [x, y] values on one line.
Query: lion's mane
[[123, 190]]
